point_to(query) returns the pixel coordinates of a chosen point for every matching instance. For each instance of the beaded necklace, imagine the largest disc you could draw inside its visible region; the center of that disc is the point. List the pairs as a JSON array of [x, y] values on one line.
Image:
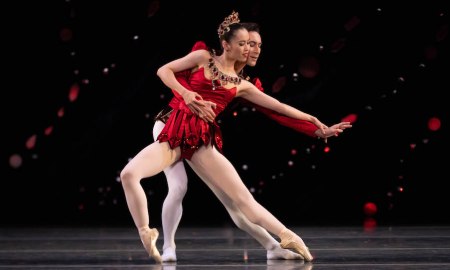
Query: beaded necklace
[[217, 75]]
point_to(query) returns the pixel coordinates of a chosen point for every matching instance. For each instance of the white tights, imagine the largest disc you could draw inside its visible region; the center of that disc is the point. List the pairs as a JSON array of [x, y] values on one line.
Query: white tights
[[173, 209]]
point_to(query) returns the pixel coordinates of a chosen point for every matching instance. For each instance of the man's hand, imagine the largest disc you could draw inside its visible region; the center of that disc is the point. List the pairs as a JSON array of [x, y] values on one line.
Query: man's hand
[[200, 107]]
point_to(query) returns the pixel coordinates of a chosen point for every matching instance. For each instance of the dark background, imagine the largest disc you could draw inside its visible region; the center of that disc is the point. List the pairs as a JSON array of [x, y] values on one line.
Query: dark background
[[386, 65]]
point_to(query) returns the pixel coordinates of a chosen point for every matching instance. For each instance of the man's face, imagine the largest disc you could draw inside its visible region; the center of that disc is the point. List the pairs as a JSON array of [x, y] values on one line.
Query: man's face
[[254, 43]]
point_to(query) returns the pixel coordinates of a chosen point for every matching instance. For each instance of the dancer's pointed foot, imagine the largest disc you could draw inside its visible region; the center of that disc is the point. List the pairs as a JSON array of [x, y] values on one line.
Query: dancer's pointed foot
[[169, 255], [279, 253], [292, 241], [148, 238]]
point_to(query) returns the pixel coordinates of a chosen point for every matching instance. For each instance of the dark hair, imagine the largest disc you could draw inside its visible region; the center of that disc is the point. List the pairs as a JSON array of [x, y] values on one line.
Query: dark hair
[[230, 34], [251, 26]]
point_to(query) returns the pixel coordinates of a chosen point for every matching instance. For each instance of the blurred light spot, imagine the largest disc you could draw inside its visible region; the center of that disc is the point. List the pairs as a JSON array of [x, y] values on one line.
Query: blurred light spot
[[350, 118], [293, 152], [370, 209], [434, 124], [326, 149], [31, 142], [279, 84], [74, 91], [370, 224], [61, 112], [48, 130], [153, 8], [244, 167], [15, 161], [338, 45], [290, 163], [352, 23], [309, 67], [65, 34]]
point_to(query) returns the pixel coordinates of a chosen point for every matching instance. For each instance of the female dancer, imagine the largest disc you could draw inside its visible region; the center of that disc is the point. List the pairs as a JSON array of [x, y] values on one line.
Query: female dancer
[[177, 177], [185, 135]]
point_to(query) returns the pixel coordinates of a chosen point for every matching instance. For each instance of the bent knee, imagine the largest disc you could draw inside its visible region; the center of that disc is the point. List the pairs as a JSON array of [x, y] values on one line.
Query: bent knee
[[179, 190], [126, 176]]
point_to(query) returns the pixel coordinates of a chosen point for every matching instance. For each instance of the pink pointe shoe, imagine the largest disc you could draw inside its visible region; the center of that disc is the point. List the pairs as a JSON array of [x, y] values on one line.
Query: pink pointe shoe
[[292, 241], [148, 238]]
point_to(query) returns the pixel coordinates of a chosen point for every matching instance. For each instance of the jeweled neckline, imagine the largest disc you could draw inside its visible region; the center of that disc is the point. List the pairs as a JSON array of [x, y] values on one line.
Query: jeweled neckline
[[218, 75]]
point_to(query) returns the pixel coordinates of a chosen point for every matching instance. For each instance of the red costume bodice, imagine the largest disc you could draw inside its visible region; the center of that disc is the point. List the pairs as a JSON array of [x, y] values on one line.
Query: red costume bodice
[[187, 130]]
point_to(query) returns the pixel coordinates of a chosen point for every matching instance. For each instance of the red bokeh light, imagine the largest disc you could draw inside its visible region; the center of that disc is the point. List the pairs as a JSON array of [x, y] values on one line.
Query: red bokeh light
[[48, 130], [434, 124], [74, 90], [370, 209], [61, 112], [350, 118], [279, 84], [370, 224], [31, 142]]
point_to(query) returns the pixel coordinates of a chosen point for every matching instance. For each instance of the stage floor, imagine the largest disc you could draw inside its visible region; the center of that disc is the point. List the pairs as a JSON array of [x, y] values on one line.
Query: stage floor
[[409, 247]]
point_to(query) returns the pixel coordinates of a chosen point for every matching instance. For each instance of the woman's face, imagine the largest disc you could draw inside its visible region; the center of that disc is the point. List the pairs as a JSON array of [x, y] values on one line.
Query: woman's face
[[238, 46]]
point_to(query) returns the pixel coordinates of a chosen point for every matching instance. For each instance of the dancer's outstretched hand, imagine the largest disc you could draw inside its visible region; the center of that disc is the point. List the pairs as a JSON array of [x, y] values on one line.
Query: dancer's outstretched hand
[[334, 130]]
